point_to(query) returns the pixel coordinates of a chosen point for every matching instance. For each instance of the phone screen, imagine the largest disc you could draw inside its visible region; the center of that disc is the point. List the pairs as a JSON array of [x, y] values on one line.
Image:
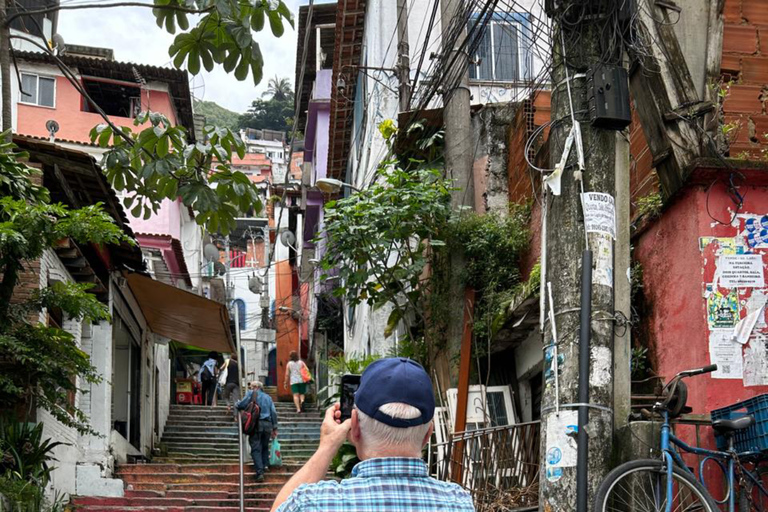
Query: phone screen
[[349, 384]]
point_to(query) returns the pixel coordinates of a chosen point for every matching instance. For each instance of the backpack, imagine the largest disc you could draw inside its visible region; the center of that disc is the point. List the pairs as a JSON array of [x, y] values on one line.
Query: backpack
[[249, 418], [206, 375]]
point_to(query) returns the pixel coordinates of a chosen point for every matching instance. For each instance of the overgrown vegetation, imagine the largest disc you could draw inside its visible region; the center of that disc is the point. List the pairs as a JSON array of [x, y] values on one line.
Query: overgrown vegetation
[[391, 244], [25, 467], [650, 206], [40, 365]]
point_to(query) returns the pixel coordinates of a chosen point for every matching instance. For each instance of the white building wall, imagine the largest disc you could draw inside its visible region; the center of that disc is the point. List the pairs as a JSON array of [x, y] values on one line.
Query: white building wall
[[364, 332], [68, 454]]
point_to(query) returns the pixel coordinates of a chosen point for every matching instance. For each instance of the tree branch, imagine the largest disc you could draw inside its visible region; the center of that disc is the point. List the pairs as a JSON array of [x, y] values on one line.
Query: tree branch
[[107, 6]]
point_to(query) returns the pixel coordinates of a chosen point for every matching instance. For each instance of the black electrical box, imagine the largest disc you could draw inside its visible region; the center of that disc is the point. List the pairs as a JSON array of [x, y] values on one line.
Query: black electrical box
[[608, 95]]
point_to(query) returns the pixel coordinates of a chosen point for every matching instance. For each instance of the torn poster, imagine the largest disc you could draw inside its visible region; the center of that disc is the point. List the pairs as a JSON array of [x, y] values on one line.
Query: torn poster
[[599, 213], [741, 271], [726, 354], [603, 262], [561, 439], [756, 361], [757, 299], [722, 310], [747, 324], [725, 245]]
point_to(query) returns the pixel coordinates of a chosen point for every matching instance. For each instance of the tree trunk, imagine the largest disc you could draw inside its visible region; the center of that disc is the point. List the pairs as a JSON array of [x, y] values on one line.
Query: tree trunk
[[565, 245], [5, 67]]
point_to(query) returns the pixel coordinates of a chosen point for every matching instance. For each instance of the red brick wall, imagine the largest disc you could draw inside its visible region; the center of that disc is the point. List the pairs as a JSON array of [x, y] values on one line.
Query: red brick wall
[[745, 61]]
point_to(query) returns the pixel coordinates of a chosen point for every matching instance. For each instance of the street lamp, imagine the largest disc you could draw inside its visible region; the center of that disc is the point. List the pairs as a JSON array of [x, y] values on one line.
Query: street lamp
[[332, 185]]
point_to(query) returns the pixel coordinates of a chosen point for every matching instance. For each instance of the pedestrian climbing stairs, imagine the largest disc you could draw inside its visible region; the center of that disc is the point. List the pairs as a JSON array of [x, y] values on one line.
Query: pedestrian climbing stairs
[[198, 470]]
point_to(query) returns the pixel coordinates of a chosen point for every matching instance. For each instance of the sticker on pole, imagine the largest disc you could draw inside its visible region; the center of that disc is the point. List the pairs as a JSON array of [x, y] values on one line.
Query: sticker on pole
[[561, 441], [599, 213]]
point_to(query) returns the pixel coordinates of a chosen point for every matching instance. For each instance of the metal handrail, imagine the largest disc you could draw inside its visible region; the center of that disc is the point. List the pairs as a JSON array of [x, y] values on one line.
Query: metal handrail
[[499, 465]]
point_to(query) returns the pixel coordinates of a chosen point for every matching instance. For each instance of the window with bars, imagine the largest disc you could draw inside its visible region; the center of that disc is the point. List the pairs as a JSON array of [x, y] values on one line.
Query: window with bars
[[503, 53], [38, 90]]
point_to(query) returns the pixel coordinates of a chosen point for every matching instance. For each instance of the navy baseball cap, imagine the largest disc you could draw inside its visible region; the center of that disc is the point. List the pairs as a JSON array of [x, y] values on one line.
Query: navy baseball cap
[[396, 380]]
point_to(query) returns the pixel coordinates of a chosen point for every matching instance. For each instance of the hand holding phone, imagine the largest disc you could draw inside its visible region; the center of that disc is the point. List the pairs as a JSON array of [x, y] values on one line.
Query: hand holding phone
[[349, 385]]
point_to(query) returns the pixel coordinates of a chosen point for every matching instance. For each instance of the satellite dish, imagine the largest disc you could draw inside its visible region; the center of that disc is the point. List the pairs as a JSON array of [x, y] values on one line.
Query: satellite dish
[[211, 252], [288, 238], [52, 127], [219, 269]]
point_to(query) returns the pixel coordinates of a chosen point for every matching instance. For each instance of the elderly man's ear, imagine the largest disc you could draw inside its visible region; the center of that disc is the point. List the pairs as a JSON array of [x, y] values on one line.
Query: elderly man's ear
[[428, 434], [354, 432]]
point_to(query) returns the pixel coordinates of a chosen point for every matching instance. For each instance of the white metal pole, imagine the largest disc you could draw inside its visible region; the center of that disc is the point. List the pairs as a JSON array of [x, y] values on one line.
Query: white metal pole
[[239, 426]]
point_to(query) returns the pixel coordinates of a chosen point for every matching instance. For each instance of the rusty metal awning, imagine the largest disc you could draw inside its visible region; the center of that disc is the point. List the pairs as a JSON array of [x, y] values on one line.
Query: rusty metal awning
[[181, 315]]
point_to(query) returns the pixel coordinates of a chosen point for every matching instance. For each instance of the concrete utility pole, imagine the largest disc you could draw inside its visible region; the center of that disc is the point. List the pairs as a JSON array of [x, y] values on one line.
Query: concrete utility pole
[[5, 67], [567, 247], [403, 51], [458, 167]]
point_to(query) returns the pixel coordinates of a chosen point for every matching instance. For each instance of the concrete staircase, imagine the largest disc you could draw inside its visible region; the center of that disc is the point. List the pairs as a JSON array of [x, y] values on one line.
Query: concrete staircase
[[199, 471]]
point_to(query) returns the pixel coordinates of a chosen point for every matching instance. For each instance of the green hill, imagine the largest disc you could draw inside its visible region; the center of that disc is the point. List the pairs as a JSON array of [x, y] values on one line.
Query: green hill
[[216, 114]]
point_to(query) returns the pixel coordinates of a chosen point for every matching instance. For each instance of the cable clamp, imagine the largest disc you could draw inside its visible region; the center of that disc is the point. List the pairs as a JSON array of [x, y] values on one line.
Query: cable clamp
[[576, 406]]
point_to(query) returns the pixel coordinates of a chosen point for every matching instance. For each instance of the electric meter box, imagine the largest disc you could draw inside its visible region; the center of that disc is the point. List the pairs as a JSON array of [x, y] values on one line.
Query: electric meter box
[[608, 95]]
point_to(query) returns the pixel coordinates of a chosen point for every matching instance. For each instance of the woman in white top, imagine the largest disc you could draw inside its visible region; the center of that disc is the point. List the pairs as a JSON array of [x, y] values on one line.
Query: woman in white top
[[293, 375]]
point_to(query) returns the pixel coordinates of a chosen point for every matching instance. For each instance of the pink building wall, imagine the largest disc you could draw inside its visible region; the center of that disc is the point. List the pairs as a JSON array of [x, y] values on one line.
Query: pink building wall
[[74, 124]]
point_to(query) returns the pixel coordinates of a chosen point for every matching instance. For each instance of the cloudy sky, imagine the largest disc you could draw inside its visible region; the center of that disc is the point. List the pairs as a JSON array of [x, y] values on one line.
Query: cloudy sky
[[132, 33]]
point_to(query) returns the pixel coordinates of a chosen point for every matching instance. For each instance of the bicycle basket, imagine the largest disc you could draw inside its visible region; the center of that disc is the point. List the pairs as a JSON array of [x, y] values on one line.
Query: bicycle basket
[[752, 439]]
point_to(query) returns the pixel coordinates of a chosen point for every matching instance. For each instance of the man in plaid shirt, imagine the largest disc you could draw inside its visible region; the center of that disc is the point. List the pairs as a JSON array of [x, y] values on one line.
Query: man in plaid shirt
[[390, 424]]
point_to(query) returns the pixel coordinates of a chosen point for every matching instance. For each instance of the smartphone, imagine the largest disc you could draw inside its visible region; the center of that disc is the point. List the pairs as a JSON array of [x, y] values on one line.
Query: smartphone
[[349, 384]]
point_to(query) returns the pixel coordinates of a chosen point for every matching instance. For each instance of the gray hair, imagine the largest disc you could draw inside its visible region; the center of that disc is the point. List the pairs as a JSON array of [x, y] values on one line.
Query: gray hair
[[257, 384], [377, 435]]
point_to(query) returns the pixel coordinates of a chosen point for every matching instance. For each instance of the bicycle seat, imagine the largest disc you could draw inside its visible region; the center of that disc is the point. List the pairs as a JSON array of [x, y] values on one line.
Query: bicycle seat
[[730, 426]]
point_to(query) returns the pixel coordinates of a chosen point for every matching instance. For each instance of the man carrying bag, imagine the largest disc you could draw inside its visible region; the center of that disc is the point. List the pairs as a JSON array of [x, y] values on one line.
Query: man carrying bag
[[258, 404]]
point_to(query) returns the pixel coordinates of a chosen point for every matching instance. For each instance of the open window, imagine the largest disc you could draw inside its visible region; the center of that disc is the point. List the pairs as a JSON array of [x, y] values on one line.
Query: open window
[[121, 99], [325, 36]]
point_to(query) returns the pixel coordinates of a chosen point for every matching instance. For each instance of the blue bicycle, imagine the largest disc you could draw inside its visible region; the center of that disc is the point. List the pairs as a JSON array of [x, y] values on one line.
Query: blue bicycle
[[667, 485]]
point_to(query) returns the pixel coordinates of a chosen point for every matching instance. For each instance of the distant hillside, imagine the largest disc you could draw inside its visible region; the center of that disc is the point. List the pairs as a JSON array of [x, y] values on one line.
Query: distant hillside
[[216, 114]]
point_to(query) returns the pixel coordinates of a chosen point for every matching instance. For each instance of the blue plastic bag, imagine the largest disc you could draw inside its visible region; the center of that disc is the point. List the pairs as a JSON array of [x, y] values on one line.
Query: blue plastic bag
[[275, 459]]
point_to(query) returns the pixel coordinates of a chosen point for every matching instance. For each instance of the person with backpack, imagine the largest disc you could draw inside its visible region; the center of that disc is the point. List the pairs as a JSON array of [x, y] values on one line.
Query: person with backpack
[[229, 373], [207, 377], [259, 420]]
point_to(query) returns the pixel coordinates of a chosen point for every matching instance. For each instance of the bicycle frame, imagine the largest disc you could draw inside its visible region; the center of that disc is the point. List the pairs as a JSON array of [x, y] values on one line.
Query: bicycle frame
[[671, 457]]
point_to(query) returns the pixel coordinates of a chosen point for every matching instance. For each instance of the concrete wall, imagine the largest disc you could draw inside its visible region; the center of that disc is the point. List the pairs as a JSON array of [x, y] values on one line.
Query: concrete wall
[[67, 455]]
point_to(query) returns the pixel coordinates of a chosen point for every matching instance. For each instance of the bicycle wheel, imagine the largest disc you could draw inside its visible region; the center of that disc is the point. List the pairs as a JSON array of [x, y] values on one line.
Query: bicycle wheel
[[641, 486]]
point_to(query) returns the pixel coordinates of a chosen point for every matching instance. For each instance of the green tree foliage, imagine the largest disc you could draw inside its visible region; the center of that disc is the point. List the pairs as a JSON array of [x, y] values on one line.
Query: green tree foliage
[[223, 35], [275, 113], [216, 115], [41, 364], [159, 163], [380, 239], [279, 89]]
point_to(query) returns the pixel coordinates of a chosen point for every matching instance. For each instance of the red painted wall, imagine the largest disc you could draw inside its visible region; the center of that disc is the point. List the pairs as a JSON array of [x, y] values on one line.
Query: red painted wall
[[75, 125], [675, 274]]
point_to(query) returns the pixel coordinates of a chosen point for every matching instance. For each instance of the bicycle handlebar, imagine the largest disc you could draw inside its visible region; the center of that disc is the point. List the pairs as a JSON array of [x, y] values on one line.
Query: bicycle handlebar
[[698, 371]]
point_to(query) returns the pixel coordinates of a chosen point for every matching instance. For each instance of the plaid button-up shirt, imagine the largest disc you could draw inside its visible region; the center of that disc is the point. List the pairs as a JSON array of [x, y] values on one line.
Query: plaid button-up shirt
[[377, 485]]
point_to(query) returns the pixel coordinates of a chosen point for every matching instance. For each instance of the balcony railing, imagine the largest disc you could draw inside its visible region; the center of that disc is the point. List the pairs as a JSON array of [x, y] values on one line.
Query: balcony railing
[[498, 465]]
